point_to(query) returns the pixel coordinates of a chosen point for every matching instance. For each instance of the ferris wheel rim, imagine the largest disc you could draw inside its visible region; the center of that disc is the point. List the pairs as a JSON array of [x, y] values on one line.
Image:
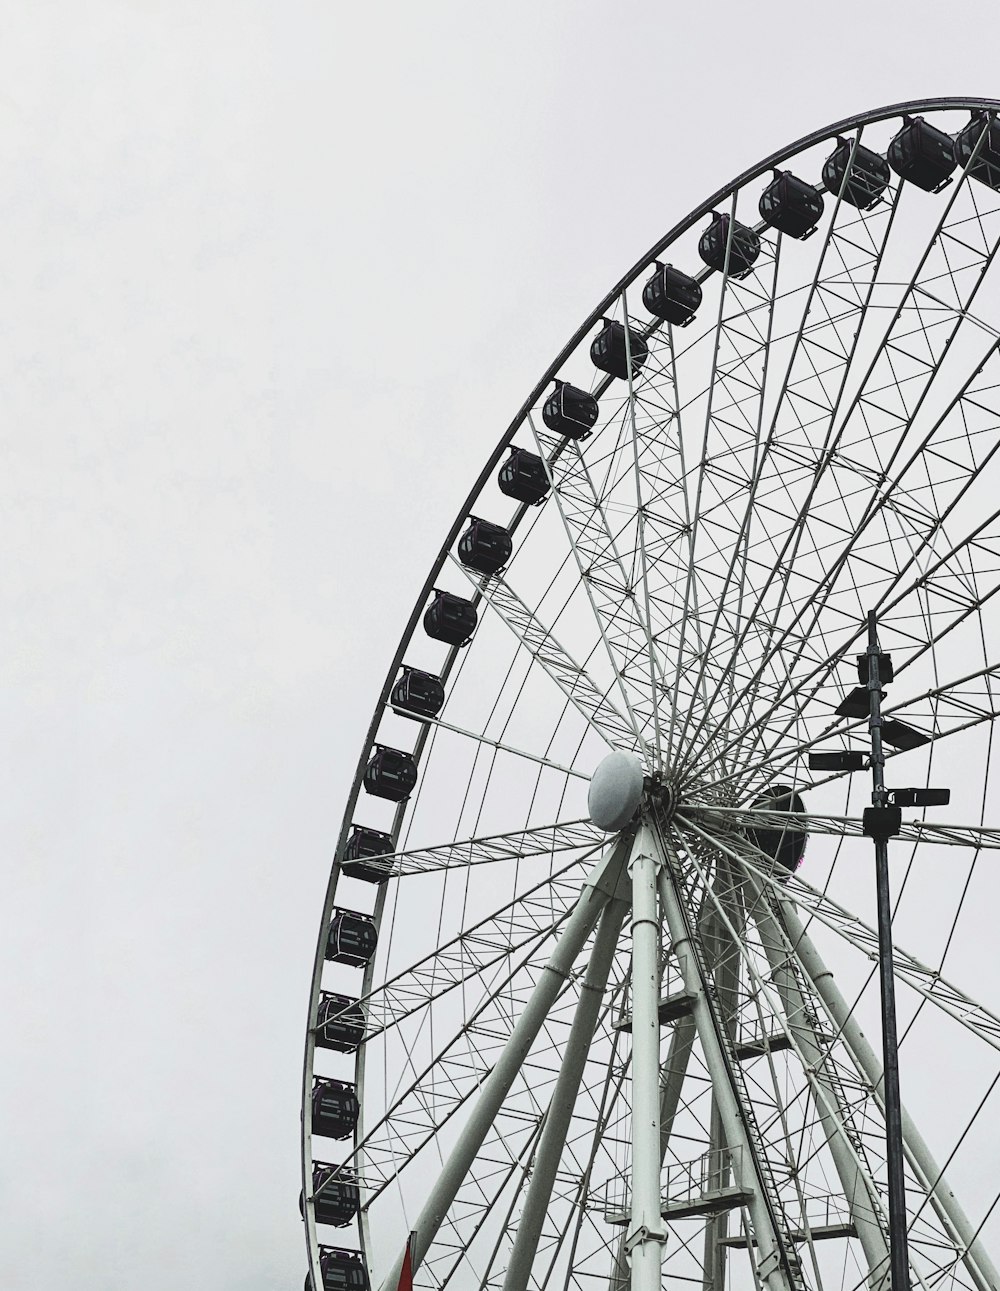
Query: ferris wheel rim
[[854, 122], [857, 121]]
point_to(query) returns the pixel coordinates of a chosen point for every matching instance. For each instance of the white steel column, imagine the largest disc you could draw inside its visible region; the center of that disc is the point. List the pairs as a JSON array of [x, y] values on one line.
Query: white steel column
[[560, 1109], [601, 885], [647, 1231], [770, 1267], [861, 1204], [719, 937], [944, 1202], [672, 1076]]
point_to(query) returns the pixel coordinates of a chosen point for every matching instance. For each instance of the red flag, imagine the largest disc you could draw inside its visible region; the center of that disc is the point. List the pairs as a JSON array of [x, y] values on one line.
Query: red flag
[[406, 1272]]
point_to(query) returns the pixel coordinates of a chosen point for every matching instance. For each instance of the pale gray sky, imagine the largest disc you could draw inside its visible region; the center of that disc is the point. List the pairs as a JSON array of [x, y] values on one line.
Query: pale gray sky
[[273, 279]]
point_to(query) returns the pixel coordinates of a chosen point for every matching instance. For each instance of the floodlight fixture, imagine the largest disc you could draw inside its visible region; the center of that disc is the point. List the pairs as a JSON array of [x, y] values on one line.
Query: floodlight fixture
[[920, 797], [855, 704], [839, 760], [901, 736], [885, 673], [881, 822]]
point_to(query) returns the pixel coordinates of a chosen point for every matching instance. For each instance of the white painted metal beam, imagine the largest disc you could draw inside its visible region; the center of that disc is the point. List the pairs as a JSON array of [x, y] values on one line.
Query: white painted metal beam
[[770, 1266], [944, 1202], [563, 1100], [600, 887], [647, 1233]]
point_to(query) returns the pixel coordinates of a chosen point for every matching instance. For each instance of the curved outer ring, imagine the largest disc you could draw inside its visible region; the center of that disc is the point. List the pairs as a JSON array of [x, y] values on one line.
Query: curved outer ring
[[716, 199]]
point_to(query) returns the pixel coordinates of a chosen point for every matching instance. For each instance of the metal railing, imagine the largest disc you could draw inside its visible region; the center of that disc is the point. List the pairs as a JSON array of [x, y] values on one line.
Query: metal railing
[[682, 1182]]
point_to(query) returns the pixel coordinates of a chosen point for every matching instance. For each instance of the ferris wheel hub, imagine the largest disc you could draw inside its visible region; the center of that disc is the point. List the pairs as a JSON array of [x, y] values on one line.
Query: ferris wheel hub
[[616, 789], [662, 796]]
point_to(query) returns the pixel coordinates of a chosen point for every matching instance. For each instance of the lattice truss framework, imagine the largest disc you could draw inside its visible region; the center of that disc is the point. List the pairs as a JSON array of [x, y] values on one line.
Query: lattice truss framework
[[796, 1076], [824, 446]]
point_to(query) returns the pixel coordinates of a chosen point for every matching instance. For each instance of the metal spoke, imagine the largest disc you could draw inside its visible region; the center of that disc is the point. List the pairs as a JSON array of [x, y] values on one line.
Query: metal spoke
[[570, 677], [541, 840], [575, 932], [655, 666], [504, 748], [438, 1090], [831, 457], [912, 831], [804, 350], [798, 949], [925, 981], [471, 953], [602, 573], [793, 1015], [559, 1114]]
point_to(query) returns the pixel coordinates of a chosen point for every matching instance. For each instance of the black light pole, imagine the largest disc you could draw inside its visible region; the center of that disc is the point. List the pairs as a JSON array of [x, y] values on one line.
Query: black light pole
[[882, 822]]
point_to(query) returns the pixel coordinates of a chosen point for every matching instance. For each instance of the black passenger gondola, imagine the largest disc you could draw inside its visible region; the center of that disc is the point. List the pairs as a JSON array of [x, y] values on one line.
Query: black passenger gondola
[[672, 295], [869, 177], [608, 350], [340, 1023], [336, 1196], [484, 547], [922, 154], [362, 845], [450, 618], [743, 249], [523, 476], [342, 1270], [352, 938], [417, 693], [791, 206], [571, 411], [785, 847], [983, 130], [335, 1109], [390, 774]]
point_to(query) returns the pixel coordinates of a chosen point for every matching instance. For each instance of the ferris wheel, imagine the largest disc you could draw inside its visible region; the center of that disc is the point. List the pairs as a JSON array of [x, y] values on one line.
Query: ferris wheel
[[597, 965]]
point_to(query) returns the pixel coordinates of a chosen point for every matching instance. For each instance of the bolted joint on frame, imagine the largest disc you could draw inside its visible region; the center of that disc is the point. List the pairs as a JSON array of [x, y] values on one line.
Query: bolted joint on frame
[[644, 860], [645, 1234], [660, 796]]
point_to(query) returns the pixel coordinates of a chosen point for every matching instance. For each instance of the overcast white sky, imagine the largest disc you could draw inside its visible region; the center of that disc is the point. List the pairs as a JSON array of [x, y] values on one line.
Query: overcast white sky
[[273, 279]]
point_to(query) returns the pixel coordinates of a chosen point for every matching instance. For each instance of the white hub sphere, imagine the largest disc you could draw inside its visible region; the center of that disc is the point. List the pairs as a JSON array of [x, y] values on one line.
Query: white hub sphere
[[615, 791]]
